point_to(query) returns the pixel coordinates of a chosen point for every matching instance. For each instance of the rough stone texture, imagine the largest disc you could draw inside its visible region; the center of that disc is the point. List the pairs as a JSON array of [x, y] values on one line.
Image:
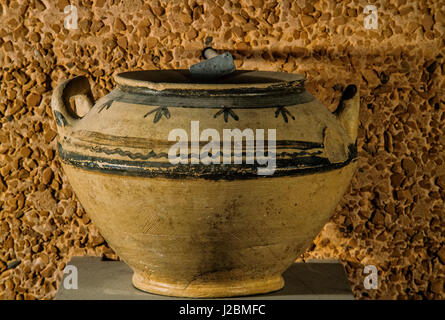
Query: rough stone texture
[[393, 215]]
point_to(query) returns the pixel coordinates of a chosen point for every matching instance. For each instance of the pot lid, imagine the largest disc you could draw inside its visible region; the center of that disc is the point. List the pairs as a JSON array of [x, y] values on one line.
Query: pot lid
[[182, 79]]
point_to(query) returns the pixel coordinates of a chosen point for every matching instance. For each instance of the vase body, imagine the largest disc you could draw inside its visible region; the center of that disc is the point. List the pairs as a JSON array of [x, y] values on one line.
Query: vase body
[[195, 229]]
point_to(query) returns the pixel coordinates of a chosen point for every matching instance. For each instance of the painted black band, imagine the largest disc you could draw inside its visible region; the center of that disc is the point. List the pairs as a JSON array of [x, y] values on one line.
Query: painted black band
[[284, 167], [215, 99]]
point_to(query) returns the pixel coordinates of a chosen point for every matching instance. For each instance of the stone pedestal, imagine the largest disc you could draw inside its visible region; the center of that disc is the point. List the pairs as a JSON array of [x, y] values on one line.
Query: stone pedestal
[[111, 280]]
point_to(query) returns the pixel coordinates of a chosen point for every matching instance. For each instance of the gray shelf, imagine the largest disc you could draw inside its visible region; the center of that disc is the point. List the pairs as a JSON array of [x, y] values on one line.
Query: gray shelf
[[111, 280]]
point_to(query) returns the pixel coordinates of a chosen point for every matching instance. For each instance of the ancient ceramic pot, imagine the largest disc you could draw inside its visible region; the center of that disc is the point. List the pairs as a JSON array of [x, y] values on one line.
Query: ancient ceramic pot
[[205, 230]]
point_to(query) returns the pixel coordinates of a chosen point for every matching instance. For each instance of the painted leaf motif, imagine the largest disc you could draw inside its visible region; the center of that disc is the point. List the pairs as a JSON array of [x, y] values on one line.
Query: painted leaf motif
[[159, 112], [106, 105], [284, 112], [226, 111]]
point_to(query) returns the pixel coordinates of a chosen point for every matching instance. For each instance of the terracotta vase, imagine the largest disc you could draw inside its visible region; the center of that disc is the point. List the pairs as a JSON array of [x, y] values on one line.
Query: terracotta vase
[[196, 229]]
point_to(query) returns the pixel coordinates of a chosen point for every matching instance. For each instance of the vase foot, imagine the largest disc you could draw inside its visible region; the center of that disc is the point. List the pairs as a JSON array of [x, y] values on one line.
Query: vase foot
[[209, 289]]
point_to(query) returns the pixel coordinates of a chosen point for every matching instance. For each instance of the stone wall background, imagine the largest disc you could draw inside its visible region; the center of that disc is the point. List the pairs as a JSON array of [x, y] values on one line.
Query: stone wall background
[[393, 215]]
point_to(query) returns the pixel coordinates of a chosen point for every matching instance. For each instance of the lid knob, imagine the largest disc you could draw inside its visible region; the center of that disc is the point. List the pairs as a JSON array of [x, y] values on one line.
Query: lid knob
[[215, 66]]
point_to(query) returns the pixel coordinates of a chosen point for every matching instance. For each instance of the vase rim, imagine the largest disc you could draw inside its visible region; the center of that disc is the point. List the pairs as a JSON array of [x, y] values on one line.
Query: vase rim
[[181, 79]]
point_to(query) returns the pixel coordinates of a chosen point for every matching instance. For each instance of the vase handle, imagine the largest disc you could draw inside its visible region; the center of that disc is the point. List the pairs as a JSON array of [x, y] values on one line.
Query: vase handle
[[348, 111], [78, 88]]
